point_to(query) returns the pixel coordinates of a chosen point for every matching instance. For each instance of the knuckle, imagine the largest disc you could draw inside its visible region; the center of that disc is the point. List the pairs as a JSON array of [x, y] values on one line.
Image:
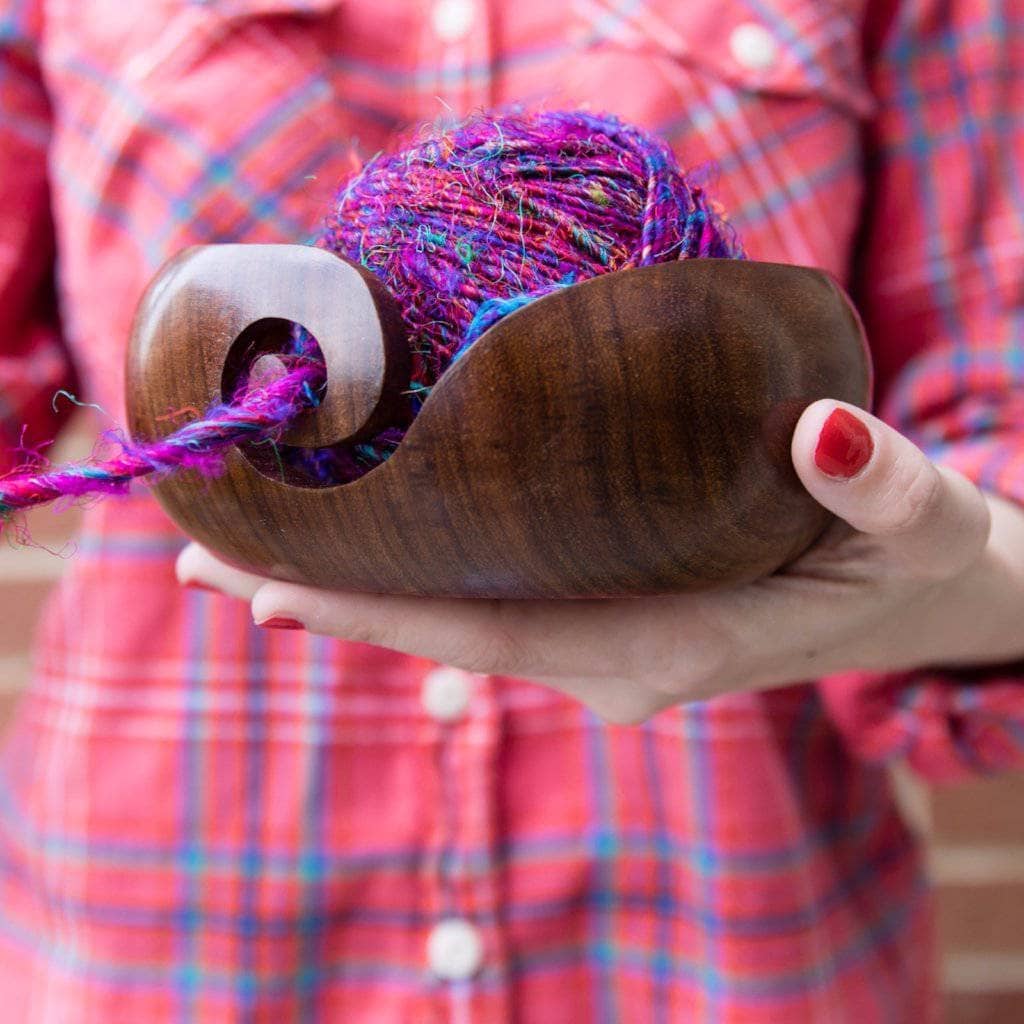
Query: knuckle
[[917, 496], [966, 531], [498, 646], [478, 653], [354, 630], [381, 633]]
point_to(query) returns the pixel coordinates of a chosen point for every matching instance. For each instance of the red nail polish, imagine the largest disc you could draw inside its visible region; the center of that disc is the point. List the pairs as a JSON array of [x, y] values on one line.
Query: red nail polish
[[279, 623], [844, 445]]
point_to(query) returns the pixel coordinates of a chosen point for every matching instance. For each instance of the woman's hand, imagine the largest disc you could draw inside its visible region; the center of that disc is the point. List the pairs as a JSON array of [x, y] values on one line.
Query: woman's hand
[[920, 568]]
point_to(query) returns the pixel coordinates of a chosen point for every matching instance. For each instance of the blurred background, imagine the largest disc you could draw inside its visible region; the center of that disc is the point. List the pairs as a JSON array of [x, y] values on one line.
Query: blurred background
[[975, 833]]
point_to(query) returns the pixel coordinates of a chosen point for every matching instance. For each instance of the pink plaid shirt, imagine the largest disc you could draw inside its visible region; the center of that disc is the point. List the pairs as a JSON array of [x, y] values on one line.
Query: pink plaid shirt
[[205, 822]]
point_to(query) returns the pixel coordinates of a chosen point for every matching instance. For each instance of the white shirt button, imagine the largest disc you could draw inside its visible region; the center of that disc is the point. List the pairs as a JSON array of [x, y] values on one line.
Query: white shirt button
[[455, 949], [447, 692], [452, 19], [753, 46]]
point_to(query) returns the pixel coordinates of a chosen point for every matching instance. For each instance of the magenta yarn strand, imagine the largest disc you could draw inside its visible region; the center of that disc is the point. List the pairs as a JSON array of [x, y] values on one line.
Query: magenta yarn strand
[[464, 225], [257, 415]]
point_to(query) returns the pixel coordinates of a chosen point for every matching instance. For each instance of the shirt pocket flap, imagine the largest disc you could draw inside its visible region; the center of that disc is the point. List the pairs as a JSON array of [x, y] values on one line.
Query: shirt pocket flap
[[796, 48]]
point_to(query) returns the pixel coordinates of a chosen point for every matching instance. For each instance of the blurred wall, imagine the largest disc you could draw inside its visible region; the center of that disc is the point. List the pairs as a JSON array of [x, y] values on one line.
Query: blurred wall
[[975, 833]]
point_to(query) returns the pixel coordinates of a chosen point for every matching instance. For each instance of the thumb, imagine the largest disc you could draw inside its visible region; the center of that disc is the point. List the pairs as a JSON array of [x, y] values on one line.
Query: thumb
[[935, 520]]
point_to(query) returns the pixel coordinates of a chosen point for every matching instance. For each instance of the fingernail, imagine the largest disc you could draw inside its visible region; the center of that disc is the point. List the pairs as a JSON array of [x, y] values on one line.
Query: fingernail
[[844, 445], [280, 623], [199, 585]]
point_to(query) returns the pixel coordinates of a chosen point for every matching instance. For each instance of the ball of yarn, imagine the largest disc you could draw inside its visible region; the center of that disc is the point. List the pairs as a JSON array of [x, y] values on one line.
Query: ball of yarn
[[473, 221], [464, 225]]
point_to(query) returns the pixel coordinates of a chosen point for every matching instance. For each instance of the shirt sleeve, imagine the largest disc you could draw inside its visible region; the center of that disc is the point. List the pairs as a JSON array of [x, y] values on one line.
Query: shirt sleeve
[[940, 284], [34, 363]]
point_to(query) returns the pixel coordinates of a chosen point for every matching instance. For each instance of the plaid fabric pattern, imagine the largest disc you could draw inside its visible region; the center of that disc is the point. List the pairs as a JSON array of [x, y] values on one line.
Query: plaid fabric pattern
[[204, 822]]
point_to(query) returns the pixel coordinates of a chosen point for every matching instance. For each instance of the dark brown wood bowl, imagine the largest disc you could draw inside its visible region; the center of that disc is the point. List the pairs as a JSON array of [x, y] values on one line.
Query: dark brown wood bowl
[[627, 435]]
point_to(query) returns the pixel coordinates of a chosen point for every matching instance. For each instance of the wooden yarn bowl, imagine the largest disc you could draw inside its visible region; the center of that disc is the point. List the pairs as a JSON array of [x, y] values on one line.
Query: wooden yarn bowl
[[624, 436]]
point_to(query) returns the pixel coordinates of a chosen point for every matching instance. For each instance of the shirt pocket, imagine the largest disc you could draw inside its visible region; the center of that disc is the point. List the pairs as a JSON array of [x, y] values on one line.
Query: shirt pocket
[[163, 35], [782, 48]]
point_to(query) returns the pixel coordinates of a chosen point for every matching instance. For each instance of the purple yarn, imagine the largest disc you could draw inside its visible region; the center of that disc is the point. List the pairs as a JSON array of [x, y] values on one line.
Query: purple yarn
[[465, 225], [259, 413]]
